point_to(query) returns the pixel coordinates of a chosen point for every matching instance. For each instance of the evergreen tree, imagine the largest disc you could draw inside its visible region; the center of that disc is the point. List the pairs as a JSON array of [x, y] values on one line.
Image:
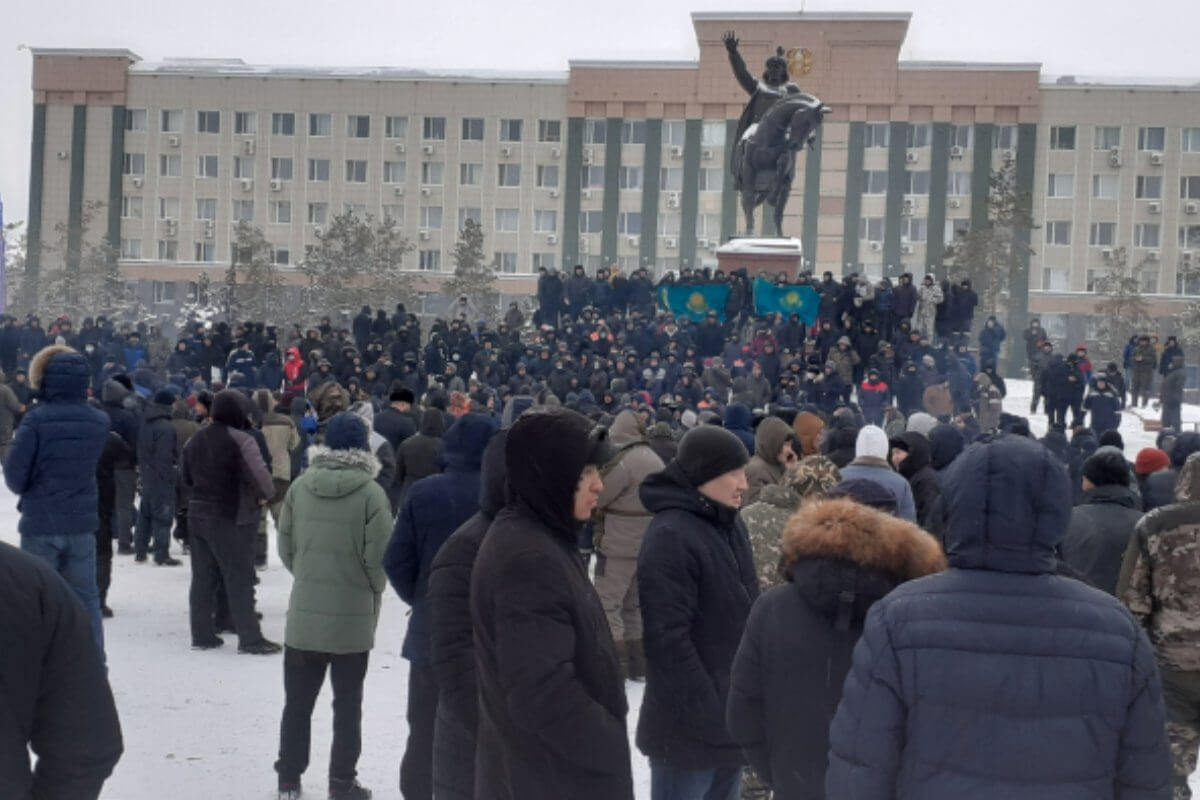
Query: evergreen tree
[[473, 276], [359, 262], [1121, 310], [253, 284]]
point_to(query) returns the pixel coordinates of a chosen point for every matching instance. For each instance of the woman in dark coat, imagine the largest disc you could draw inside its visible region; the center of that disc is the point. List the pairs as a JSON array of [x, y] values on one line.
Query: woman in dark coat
[[839, 557], [912, 457]]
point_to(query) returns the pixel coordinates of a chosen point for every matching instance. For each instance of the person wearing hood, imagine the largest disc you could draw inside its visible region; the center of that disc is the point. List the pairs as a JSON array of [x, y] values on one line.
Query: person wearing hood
[[990, 339], [998, 637], [773, 453], [380, 447], [874, 396], [871, 463], [1171, 393], [911, 456], [52, 469], [945, 444], [1104, 405], [1159, 487], [1102, 525], [808, 427], [929, 297], [158, 469], [333, 528], [433, 508], [224, 469], [11, 410], [418, 455], [619, 527], [551, 700], [739, 421], [838, 559]]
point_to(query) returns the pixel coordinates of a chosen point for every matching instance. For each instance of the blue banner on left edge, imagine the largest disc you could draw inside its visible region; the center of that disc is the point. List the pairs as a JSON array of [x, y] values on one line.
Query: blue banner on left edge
[[695, 300]]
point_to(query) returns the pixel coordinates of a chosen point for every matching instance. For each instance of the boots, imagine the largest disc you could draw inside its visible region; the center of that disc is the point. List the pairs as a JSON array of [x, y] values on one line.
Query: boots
[[347, 790], [622, 657], [636, 656]]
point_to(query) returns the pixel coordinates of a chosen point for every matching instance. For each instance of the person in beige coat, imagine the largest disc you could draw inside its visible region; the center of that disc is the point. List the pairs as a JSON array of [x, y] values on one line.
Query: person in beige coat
[[773, 452], [282, 438], [620, 523]]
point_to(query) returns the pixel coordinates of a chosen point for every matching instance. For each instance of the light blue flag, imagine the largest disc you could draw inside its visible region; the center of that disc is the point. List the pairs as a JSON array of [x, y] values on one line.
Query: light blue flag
[[791, 298], [694, 300]]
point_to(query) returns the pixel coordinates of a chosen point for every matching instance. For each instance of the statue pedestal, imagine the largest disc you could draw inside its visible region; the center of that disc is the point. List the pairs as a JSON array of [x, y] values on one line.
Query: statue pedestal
[[759, 255]]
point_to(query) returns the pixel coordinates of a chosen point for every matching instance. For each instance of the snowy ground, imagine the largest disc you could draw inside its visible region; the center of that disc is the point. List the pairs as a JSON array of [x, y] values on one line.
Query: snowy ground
[[204, 726]]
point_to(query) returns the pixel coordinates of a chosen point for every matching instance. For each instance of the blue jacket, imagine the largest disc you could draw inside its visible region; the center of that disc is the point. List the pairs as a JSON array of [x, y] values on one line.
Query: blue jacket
[[52, 464], [738, 421], [133, 355], [998, 678], [434, 507]]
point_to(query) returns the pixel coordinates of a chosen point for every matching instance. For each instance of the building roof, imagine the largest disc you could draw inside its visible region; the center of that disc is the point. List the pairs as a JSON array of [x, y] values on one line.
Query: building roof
[[1140, 82], [801, 16], [236, 67], [972, 66], [86, 52]]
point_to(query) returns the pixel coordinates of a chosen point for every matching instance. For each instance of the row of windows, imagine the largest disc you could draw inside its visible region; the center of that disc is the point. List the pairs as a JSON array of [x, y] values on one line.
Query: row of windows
[[1146, 187], [912, 229], [674, 132], [917, 182], [878, 135], [1150, 139], [1104, 234]]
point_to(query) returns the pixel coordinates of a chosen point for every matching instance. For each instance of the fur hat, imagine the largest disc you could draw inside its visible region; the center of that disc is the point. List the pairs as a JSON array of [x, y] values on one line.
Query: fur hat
[[164, 397]]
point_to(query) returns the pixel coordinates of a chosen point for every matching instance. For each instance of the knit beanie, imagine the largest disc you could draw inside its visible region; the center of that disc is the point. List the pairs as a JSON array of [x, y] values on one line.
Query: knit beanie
[[1106, 467], [921, 423], [164, 397], [709, 452], [872, 442], [1151, 460], [1112, 439], [346, 431]]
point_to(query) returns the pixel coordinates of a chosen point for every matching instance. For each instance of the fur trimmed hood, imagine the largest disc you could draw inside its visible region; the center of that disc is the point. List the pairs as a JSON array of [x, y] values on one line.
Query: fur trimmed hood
[[333, 474], [60, 374], [319, 454], [37, 364]]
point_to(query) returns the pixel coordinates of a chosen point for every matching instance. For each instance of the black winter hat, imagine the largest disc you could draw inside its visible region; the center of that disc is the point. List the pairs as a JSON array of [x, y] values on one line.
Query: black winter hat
[[164, 397], [402, 396], [346, 431], [708, 452], [1106, 467], [1112, 439]]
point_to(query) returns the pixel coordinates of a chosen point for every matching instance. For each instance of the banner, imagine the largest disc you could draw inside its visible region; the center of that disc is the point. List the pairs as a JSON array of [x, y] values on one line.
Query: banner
[[694, 300], [791, 298]]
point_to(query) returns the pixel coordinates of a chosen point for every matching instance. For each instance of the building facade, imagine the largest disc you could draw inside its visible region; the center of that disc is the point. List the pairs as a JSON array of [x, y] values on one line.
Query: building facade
[[618, 162]]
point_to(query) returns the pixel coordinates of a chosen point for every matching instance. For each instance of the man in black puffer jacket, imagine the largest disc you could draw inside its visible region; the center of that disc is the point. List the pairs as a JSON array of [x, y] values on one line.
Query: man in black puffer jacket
[[697, 582], [998, 679]]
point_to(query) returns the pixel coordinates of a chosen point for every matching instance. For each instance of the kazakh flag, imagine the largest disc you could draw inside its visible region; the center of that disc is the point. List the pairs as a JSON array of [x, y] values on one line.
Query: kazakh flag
[[791, 298], [694, 300]]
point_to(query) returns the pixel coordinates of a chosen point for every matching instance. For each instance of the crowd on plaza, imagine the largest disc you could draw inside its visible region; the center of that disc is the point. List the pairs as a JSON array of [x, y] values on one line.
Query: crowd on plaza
[[841, 569]]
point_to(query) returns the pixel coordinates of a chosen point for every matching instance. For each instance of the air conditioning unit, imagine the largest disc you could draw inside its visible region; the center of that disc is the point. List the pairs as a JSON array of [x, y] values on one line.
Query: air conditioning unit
[[1154, 207], [676, 151], [425, 190], [701, 242], [906, 249], [587, 155], [957, 152], [633, 241], [248, 147], [556, 152], [552, 238], [706, 154], [909, 207], [911, 157], [1188, 208], [1187, 256], [399, 147], [137, 183], [876, 247], [587, 194], [506, 152], [1008, 155], [247, 184], [398, 191], [423, 234], [1107, 254], [673, 200], [1156, 159], [554, 192], [670, 242], [173, 141], [63, 155], [276, 186], [1152, 255], [1114, 157], [427, 149], [955, 202]]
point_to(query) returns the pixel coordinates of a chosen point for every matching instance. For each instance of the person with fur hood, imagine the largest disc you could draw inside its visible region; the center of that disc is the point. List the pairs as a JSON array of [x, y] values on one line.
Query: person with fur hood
[[838, 559]]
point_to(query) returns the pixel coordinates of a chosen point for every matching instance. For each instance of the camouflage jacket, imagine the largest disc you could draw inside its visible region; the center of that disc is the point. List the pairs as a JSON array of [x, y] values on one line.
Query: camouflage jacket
[[764, 519]]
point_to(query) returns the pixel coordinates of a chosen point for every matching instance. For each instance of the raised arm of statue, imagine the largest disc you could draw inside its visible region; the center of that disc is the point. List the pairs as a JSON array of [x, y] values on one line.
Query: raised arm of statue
[[748, 81]]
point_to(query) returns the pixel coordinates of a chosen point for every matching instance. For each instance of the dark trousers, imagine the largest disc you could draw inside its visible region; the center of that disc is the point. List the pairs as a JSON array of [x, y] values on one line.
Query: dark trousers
[[104, 552], [670, 783], [126, 514], [222, 553], [156, 512], [303, 676], [416, 768]]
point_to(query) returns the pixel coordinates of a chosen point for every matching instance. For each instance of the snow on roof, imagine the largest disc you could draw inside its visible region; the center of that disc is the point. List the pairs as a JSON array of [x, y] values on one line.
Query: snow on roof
[[762, 246], [1119, 82], [236, 67]]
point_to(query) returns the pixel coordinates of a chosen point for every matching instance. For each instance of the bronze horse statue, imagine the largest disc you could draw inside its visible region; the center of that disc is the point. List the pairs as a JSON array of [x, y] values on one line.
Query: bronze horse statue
[[765, 158]]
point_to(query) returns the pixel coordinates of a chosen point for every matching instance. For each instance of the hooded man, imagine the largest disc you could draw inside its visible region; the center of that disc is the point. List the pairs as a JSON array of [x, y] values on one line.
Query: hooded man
[[158, 468], [773, 453]]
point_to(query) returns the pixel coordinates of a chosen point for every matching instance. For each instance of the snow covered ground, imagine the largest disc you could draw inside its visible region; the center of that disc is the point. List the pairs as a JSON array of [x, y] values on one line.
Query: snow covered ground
[[204, 725]]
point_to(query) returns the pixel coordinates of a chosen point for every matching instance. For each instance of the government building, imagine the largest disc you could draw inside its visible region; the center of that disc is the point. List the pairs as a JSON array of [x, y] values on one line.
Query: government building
[[620, 162]]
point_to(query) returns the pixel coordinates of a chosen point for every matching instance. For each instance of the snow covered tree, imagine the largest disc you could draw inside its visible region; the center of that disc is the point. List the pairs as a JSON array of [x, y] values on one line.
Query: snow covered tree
[[1120, 308], [358, 262], [15, 247], [473, 275], [253, 284], [80, 276]]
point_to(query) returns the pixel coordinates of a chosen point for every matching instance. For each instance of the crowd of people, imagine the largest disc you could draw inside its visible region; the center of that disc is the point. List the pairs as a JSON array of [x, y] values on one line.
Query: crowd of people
[[841, 569]]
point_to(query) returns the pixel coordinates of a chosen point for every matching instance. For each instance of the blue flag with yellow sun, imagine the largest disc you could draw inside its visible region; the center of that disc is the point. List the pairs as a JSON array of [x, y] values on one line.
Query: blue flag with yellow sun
[[791, 298], [694, 300]]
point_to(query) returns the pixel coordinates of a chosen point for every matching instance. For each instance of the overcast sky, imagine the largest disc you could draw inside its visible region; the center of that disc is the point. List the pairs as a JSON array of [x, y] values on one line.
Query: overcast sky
[[1117, 37]]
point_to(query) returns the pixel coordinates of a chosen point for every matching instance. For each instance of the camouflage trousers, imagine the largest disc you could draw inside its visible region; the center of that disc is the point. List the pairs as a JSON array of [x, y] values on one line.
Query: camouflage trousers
[[1181, 691]]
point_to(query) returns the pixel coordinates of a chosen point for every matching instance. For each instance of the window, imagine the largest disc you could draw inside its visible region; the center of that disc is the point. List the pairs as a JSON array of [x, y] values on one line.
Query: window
[[594, 131], [1149, 187], [1152, 139], [281, 169], [509, 175], [472, 129], [318, 213], [541, 260], [208, 122], [549, 130], [1004, 137], [358, 126], [243, 210], [1107, 137], [280, 212], [318, 169], [356, 170], [916, 182], [206, 208], [919, 135], [593, 178], [135, 119], [283, 123], [1062, 137], [510, 130], [245, 122], [545, 221], [171, 120], [674, 133], [591, 221], [629, 223], [134, 164], [206, 251], [170, 166], [508, 220], [131, 248], [1102, 234], [1189, 187], [630, 178], [671, 179], [131, 207], [877, 181], [356, 210], [958, 183], [395, 127], [712, 134], [1058, 232], [320, 124], [708, 225], [469, 213], [1191, 140], [1187, 282], [712, 179], [1189, 236], [870, 229], [393, 171], [394, 214], [280, 256], [1095, 279], [914, 229], [547, 176], [1148, 282], [1055, 280], [206, 166], [505, 262], [431, 217], [633, 131], [669, 224], [429, 260], [470, 174], [1061, 186], [956, 228], [434, 129], [163, 291], [1105, 187], [1147, 234], [168, 250], [432, 172], [168, 208], [962, 136], [877, 135]]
